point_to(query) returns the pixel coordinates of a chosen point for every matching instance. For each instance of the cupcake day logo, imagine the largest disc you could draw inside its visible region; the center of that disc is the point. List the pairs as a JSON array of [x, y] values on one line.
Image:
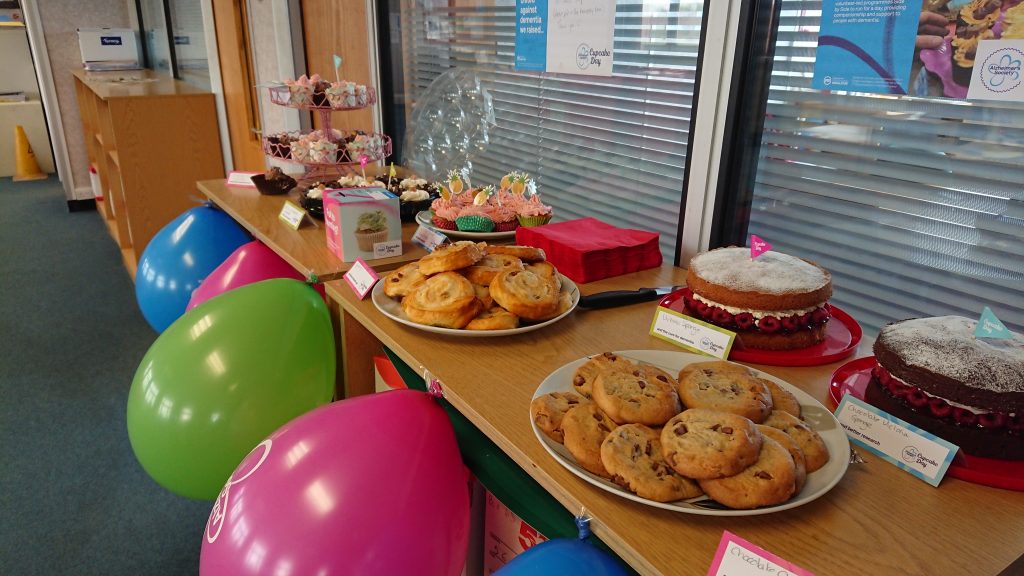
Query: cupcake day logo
[[1001, 71], [250, 464]]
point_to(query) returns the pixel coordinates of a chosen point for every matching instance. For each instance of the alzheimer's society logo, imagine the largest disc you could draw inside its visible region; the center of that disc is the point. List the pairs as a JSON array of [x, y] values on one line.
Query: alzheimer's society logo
[[583, 56], [1001, 71]]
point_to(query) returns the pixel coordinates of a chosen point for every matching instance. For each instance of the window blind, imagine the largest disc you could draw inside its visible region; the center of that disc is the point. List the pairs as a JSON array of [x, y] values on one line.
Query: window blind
[[916, 205], [612, 148]]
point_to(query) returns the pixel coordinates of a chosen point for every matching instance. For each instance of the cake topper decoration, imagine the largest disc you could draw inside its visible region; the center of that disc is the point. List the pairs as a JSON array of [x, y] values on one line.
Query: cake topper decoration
[[337, 66], [990, 327], [481, 197], [455, 181], [519, 182], [363, 160], [758, 246]]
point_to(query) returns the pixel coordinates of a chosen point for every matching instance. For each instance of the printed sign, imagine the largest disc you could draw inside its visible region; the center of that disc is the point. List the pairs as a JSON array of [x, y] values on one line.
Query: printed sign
[[565, 36], [361, 278], [998, 73], [428, 238], [292, 215], [990, 327], [737, 557], [692, 334], [758, 246], [910, 448], [866, 45], [241, 179]]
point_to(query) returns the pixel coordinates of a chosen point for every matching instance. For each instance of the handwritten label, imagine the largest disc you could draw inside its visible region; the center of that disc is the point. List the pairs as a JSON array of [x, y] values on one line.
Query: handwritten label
[[990, 327], [738, 557], [241, 179], [292, 215], [361, 278], [428, 238], [910, 448], [692, 334], [387, 249], [758, 246]]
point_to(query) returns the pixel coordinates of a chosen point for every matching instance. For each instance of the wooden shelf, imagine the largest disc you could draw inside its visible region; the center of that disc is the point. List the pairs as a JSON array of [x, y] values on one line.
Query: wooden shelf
[[167, 133]]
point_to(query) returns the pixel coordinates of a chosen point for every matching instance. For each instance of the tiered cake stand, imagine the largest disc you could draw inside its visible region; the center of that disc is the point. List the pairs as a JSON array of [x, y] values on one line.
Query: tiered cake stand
[[373, 147]]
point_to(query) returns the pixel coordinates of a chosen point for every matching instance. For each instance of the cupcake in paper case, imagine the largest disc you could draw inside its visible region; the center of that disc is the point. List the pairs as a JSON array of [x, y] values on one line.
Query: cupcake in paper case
[[444, 214], [533, 213], [475, 219], [300, 150], [320, 87], [336, 94], [362, 95], [506, 218], [371, 228], [300, 92], [323, 152]]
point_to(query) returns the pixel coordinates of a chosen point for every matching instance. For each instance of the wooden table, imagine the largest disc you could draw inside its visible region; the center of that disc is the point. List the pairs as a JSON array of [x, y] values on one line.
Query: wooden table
[[306, 248], [877, 520]]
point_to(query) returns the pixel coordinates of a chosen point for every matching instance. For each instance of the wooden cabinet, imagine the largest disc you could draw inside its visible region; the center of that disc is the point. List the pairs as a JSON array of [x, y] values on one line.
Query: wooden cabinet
[[150, 140]]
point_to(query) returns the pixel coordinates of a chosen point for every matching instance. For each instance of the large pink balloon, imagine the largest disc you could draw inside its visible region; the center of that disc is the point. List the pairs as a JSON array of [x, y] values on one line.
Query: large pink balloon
[[251, 262], [369, 485]]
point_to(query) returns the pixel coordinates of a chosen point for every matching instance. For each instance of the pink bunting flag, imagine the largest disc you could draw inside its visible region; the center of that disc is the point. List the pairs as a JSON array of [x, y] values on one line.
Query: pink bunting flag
[[758, 246]]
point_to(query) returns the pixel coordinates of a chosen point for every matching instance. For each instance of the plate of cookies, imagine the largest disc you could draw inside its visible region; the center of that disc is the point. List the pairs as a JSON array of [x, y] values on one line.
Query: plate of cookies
[[472, 289], [681, 432]]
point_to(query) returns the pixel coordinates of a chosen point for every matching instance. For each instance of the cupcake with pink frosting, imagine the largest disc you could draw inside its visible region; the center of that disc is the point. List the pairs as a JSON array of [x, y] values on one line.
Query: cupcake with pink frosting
[[534, 213], [443, 211]]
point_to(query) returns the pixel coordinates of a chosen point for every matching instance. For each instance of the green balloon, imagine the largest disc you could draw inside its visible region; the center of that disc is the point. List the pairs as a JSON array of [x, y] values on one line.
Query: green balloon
[[225, 376]]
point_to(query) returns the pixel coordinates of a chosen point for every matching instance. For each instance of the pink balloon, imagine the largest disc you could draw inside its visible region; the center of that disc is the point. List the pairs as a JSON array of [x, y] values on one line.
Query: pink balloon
[[250, 263], [369, 485]]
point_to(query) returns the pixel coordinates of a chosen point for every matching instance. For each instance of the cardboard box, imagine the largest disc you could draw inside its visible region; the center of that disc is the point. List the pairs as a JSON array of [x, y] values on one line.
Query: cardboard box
[[505, 535], [362, 223], [587, 249]]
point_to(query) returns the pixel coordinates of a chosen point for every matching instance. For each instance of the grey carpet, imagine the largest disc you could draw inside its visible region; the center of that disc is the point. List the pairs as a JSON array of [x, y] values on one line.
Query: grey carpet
[[73, 498]]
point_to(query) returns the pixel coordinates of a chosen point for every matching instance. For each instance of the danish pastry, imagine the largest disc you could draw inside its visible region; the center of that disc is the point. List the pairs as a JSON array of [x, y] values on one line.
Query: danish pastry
[[484, 271], [524, 253], [525, 294], [446, 300], [452, 257], [496, 318], [402, 281], [547, 271]]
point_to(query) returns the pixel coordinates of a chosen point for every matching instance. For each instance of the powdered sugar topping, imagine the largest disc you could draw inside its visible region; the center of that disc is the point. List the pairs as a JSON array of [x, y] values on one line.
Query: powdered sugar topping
[[946, 345], [770, 273]]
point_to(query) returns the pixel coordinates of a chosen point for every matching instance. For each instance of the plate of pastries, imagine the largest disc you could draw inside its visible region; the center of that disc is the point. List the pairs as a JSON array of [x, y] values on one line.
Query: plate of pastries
[[473, 289], [686, 433]]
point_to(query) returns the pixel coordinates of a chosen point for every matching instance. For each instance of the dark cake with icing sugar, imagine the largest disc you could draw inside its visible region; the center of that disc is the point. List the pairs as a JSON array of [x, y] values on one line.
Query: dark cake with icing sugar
[[934, 373], [775, 302]]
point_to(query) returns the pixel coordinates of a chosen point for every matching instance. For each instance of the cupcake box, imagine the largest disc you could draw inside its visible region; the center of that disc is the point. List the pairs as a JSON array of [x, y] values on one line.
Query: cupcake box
[[361, 219]]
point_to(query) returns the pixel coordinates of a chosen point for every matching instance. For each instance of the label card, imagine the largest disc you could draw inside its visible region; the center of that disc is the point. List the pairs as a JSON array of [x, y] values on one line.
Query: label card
[[241, 179], [737, 557], [361, 278], [292, 215], [692, 334], [387, 249], [758, 246], [428, 238], [565, 36], [908, 447]]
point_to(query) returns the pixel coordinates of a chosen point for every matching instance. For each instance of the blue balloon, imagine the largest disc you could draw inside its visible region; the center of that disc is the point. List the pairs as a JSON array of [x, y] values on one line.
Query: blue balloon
[[562, 557], [179, 257]]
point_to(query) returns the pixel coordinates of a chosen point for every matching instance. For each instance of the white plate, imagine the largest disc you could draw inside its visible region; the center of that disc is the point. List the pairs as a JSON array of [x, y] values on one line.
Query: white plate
[[424, 219], [393, 309], [816, 415]]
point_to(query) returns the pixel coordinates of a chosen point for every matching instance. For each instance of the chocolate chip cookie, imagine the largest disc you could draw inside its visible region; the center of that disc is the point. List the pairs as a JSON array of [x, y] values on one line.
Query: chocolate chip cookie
[[548, 411], [704, 444], [583, 379], [725, 387], [782, 399], [794, 450], [815, 450], [632, 454], [770, 480], [640, 394], [584, 428]]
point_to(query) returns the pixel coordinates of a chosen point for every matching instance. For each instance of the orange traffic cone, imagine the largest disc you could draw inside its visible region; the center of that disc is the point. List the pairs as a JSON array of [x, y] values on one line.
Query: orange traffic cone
[[26, 167]]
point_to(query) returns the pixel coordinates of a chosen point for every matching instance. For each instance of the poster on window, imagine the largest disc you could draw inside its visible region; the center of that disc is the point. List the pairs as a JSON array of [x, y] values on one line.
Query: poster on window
[[952, 48], [565, 36]]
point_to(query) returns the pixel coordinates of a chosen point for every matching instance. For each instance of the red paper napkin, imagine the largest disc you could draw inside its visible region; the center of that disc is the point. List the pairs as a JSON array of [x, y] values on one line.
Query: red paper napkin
[[588, 249]]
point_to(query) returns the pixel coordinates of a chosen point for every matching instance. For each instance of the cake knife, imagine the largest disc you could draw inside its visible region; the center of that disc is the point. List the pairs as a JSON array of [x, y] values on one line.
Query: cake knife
[[615, 298]]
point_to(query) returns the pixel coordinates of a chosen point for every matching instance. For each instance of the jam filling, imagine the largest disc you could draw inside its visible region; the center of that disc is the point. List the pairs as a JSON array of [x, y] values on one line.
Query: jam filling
[[745, 322], [920, 401]]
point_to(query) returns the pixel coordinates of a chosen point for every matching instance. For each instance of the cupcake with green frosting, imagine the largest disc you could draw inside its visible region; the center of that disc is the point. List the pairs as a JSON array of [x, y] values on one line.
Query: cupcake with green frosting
[[371, 227]]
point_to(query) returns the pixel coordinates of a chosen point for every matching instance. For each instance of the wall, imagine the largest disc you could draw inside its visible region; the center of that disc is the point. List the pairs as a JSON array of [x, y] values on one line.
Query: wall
[[61, 20]]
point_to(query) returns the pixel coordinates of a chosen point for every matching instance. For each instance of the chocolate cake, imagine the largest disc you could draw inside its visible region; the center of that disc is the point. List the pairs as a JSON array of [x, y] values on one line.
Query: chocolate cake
[[933, 373], [776, 302]]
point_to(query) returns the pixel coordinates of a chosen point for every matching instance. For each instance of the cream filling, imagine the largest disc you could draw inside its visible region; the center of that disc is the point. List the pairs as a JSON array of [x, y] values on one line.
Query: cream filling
[[757, 314], [974, 409]]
